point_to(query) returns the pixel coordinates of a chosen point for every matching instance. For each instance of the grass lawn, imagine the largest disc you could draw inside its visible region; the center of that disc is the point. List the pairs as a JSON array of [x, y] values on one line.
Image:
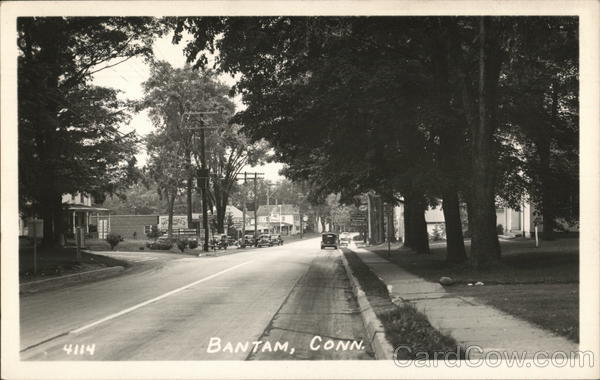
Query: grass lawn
[[60, 261], [403, 325], [540, 285]]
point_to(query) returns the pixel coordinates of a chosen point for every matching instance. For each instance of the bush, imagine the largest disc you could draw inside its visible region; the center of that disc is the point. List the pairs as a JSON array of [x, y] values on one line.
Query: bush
[[500, 229], [438, 233], [113, 240], [181, 244], [193, 244]]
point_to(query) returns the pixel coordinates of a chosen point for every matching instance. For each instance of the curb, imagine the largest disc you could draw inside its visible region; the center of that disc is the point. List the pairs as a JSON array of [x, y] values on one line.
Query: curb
[[376, 333], [55, 282]]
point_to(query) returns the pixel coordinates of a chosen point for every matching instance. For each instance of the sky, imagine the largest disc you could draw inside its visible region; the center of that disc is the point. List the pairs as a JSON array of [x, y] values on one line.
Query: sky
[[129, 76]]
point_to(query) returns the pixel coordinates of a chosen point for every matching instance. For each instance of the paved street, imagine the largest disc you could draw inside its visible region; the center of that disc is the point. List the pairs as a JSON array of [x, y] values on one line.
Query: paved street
[[289, 302]]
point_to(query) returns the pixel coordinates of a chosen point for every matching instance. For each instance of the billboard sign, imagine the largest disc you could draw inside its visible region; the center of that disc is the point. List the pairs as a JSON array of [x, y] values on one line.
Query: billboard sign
[[179, 221]]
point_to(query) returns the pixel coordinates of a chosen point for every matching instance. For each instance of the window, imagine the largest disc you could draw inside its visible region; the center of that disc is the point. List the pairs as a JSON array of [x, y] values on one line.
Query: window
[[147, 229]]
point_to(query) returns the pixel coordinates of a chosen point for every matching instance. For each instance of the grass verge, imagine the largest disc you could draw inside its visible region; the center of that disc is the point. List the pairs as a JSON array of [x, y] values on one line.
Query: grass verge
[[58, 262], [540, 285], [404, 325]]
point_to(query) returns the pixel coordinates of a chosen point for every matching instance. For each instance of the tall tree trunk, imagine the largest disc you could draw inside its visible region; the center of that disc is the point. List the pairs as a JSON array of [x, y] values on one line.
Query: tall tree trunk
[[221, 206], [50, 197], [171, 201], [417, 237], [548, 212], [420, 230], [484, 241], [548, 201], [450, 137], [189, 188], [408, 235], [455, 247]]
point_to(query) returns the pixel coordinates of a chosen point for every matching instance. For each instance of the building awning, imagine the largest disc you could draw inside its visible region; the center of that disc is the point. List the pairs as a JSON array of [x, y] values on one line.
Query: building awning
[[76, 207]]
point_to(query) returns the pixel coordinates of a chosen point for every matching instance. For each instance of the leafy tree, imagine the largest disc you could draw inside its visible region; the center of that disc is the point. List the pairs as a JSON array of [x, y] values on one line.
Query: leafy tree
[[171, 94], [232, 152], [139, 199], [314, 79], [541, 98], [68, 130], [412, 108], [166, 169]]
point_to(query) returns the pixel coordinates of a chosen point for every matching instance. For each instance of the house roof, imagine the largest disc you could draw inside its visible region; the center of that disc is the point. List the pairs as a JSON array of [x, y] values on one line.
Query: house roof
[[286, 209], [234, 211]]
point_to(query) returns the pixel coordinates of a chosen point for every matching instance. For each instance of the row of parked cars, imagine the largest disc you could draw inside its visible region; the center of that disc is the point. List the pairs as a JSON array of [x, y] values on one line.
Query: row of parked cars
[[221, 241], [264, 240]]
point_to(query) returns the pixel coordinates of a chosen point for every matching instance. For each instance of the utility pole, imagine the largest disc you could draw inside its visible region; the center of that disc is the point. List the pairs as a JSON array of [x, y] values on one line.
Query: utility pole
[[255, 205], [257, 176], [203, 172], [244, 206]]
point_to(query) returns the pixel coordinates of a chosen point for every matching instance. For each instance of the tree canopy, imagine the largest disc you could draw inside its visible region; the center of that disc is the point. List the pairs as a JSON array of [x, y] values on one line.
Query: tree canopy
[[69, 139], [418, 107]]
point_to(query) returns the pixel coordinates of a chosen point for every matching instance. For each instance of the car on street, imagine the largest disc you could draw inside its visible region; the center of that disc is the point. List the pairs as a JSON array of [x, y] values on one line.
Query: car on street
[[329, 239], [264, 241], [358, 240], [249, 241], [219, 242], [345, 239], [276, 239], [348, 239], [232, 242]]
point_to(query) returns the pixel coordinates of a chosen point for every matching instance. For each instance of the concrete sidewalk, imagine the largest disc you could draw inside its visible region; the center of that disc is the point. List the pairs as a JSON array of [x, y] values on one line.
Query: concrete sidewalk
[[469, 321]]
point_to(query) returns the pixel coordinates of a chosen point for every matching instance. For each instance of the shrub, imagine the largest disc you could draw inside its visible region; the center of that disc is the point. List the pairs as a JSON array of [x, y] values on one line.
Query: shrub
[[500, 229], [438, 233], [193, 244], [181, 244], [113, 240]]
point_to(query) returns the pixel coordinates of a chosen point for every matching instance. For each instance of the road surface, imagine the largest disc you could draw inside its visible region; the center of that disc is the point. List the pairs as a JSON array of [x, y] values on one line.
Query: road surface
[[288, 302]]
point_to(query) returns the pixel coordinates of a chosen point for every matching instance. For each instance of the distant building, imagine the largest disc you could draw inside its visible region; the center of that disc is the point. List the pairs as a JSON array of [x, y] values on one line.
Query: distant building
[[81, 212], [132, 226], [281, 219]]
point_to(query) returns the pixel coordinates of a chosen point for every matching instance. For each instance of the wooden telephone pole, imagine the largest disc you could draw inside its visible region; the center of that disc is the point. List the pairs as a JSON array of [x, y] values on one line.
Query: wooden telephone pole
[[203, 172], [257, 176]]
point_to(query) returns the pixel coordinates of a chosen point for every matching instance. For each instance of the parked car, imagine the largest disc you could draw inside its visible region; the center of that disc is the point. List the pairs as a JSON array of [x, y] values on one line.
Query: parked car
[[264, 241], [218, 242], [162, 243], [249, 241], [276, 240], [329, 239], [232, 242]]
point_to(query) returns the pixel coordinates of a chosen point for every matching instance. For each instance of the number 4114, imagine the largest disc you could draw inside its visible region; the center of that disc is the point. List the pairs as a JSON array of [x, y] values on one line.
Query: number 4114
[[79, 349]]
